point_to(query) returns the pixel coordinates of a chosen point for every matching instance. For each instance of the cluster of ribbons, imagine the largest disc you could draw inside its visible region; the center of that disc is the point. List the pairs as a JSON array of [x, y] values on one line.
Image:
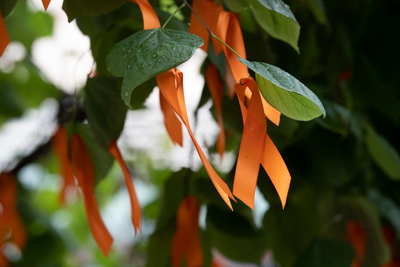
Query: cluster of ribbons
[[11, 226], [75, 161]]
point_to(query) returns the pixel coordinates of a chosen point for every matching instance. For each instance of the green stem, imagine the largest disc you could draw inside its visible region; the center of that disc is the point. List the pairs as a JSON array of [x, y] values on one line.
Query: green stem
[[208, 29], [230, 48], [179, 8]]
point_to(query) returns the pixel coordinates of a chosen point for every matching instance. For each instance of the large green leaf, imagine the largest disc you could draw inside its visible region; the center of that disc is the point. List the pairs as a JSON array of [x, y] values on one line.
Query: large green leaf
[[276, 18], [78, 8], [383, 154], [327, 253], [146, 54], [285, 93], [104, 109]]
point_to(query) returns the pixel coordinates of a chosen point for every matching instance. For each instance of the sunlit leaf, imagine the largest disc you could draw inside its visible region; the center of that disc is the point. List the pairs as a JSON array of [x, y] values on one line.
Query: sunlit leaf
[[285, 93], [146, 54], [276, 18], [383, 154]]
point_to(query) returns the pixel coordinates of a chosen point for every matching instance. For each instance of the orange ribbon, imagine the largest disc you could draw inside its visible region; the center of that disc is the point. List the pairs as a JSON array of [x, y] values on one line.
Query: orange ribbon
[[9, 217], [84, 171], [135, 207], [150, 19], [217, 91], [46, 4], [172, 123], [59, 144], [209, 11], [358, 238], [4, 39], [171, 87], [257, 147], [186, 243]]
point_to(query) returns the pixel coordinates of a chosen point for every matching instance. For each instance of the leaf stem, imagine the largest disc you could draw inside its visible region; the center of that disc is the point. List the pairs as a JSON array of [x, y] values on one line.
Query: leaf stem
[[176, 11], [208, 29]]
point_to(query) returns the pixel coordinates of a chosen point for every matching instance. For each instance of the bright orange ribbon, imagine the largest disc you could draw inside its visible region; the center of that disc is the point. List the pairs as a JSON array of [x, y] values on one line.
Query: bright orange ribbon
[[209, 11], [59, 144], [172, 123], [46, 4], [186, 241], [84, 171], [358, 238], [216, 87], [135, 206], [150, 19], [171, 87], [9, 217], [257, 147], [4, 39]]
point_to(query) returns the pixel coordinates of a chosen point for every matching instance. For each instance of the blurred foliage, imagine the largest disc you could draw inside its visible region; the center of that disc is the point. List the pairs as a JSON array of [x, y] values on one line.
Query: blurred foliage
[[344, 167]]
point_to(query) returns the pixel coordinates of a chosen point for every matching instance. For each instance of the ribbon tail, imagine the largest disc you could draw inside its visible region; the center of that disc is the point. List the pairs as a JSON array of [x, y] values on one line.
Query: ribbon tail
[[135, 206], [172, 123], [270, 112], [46, 4], [276, 169], [150, 19], [83, 168]]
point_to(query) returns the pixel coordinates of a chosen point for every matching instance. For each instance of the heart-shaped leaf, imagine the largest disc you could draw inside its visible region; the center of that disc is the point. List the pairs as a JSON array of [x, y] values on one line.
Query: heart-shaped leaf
[[148, 53], [285, 93]]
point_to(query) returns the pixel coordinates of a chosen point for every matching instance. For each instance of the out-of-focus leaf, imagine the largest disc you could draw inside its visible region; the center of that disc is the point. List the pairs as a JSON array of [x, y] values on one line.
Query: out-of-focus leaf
[[327, 253], [337, 118], [159, 247], [6, 6], [237, 6], [234, 236], [104, 109], [148, 53], [102, 160], [78, 8], [285, 93], [387, 208], [383, 154], [141, 93], [276, 18], [363, 212], [317, 7]]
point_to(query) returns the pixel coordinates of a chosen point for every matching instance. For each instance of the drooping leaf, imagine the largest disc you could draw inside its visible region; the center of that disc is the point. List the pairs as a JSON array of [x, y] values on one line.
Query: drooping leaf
[[146, 54], [383, 154], [78, 8], [104, 109], [285, 93], [6, 6], [276, 18], [327, 253]]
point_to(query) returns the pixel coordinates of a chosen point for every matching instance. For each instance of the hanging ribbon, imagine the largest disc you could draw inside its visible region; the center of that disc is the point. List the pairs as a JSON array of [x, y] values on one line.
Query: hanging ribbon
[[83, 168], [150, 19], [46, 4], [171, 87], [186, 243], [59, 144], [4, 39], [172, 123], [209, 11], [9, 217], [216, 87], [135, 206], [357, 237], [256, 147]]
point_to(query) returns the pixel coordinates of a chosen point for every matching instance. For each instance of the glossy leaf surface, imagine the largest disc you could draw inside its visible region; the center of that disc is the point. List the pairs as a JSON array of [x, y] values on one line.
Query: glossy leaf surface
[[285, 93], [146, 54]]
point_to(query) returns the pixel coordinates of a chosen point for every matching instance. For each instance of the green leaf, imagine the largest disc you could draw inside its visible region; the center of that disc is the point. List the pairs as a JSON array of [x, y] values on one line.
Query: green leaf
[[327, 253], [146, 54], [276, 18], [237, 6], [317, 7], [141, 93], [104, 109], [383, 154], [234, 236], [6, 6], [338, 119], [78, 8], [285, 93]]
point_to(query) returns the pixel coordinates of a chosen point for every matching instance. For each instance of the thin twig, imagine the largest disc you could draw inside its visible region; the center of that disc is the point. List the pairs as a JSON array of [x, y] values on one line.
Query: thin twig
[[179, 8]]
